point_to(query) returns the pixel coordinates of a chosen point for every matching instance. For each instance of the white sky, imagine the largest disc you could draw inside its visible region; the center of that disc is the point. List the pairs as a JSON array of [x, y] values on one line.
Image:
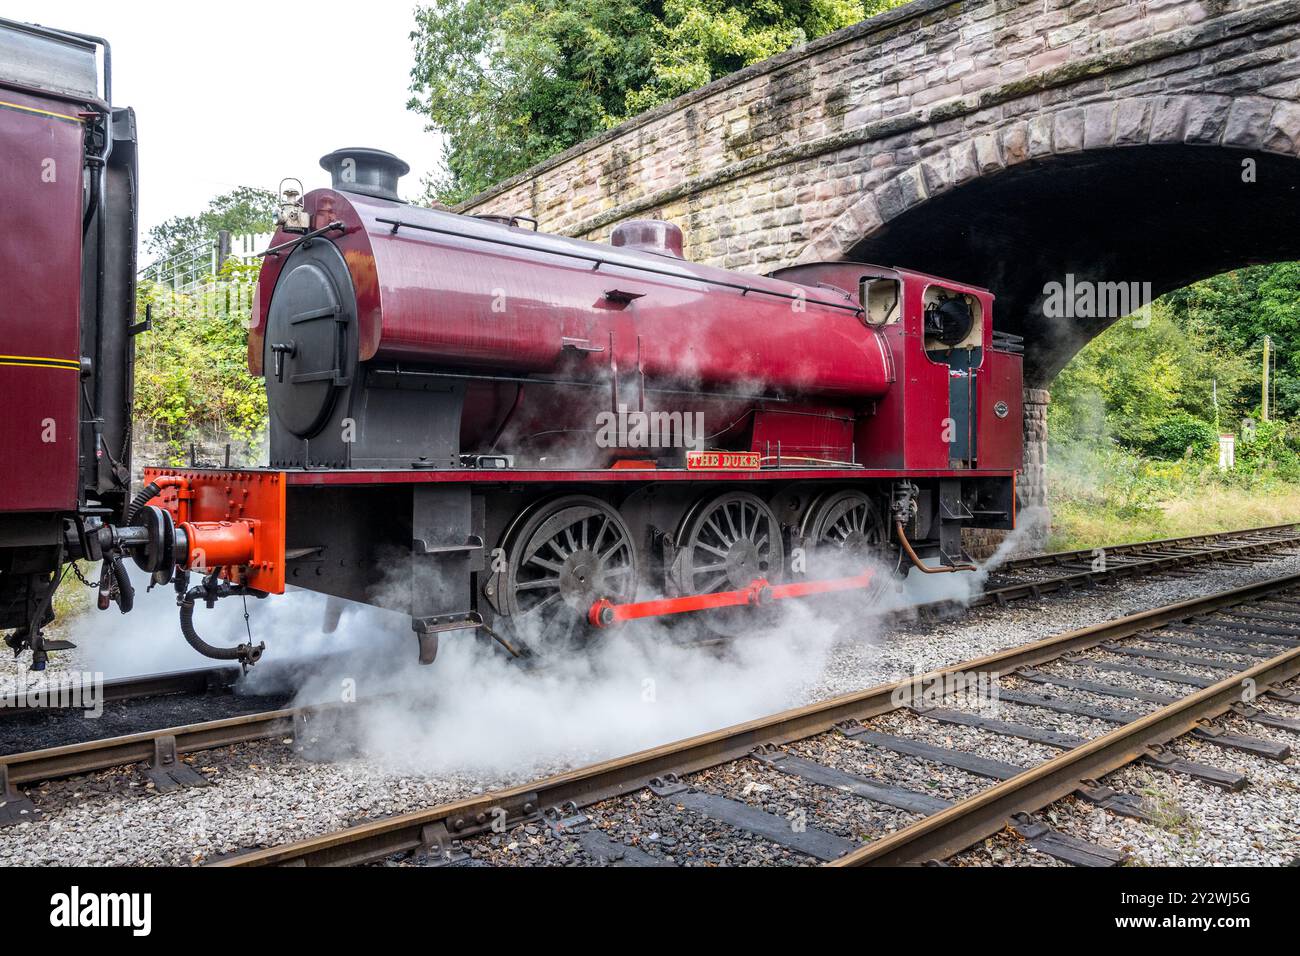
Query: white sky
[[239, 93]]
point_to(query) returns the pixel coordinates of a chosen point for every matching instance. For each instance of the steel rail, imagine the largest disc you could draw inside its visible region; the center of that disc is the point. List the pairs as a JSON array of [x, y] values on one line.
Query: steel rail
[[1086, 554], [104, 754], [1085, 579], [434, 827]]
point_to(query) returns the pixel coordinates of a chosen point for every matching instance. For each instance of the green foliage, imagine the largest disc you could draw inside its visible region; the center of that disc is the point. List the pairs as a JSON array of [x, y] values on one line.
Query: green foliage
[[191, 373], [1181, 434], [1136, 382], [1104, 478], [513, 82], [1270, 448], [242, 210], [1135, 418], [1104, 494], [1238, 309], [1167, 389], [698, 41]]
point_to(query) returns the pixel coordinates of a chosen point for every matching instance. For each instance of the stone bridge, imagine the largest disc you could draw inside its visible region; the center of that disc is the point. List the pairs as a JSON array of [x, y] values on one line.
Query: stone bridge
[[1008, 143]]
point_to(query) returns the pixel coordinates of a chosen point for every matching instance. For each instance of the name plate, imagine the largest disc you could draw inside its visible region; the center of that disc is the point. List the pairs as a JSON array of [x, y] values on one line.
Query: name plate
[[722, 460]]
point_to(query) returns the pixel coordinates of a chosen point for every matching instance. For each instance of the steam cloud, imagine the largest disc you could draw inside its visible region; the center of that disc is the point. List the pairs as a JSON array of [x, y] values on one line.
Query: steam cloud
[[475, 710]]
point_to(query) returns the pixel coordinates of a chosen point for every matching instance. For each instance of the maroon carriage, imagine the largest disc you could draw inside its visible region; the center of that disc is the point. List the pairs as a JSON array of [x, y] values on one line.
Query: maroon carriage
[[67, 262]]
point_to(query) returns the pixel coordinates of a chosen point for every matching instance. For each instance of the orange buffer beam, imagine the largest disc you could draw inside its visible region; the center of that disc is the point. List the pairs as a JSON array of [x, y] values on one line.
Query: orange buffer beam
[[605, 613], [233, 519]]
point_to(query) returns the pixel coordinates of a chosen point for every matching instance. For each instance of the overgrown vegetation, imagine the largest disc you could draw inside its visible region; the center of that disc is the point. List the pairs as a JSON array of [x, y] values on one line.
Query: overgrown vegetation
[[513, 82], [240, 211], [191, 374], [1135, 418]]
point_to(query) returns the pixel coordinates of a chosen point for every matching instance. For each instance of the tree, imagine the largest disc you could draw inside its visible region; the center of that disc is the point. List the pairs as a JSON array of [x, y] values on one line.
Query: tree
[[192, 382], [1145, 386], [1237, 309], [698, 41], [242, 210], [513, 82]]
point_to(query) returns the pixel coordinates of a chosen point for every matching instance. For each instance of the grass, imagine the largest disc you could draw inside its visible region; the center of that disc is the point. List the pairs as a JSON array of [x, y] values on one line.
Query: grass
[[1077, 524], [1107, 497], [73, 598]]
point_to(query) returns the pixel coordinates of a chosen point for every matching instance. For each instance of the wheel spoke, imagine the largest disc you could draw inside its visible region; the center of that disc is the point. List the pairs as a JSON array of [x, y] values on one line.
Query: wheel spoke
[[722, 535], [851, 522], [712, 550], [600, 535], [548, 565], [539, 609], [615, 585], [538, 583], [549, 623], [712, 584]]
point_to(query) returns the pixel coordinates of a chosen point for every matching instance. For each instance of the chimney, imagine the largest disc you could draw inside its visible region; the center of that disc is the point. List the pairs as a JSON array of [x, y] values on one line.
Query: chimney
[[370, 172]]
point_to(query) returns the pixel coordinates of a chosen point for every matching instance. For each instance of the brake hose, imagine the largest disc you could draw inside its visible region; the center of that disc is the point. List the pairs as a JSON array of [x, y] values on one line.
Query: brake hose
[[210, 591]]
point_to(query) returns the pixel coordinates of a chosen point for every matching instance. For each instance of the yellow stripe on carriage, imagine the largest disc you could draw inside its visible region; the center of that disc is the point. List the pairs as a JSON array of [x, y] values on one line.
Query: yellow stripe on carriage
[[40, 361], [39, 112]]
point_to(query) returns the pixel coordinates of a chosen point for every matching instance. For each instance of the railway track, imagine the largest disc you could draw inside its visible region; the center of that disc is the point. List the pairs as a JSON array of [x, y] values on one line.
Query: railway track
[[1226, 655], [160, 749], [1019, 578]]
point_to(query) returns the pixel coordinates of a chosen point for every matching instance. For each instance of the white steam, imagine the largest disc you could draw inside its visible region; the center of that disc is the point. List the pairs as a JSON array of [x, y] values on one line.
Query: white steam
[[633, 686], [475, 710]]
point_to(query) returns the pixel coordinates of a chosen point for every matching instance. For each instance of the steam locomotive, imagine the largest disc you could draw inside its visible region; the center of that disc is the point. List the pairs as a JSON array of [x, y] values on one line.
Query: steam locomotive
[[492, 429]]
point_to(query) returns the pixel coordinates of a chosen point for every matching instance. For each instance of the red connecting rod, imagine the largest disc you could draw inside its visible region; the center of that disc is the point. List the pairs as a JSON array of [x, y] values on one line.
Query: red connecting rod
[[604, 613]]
